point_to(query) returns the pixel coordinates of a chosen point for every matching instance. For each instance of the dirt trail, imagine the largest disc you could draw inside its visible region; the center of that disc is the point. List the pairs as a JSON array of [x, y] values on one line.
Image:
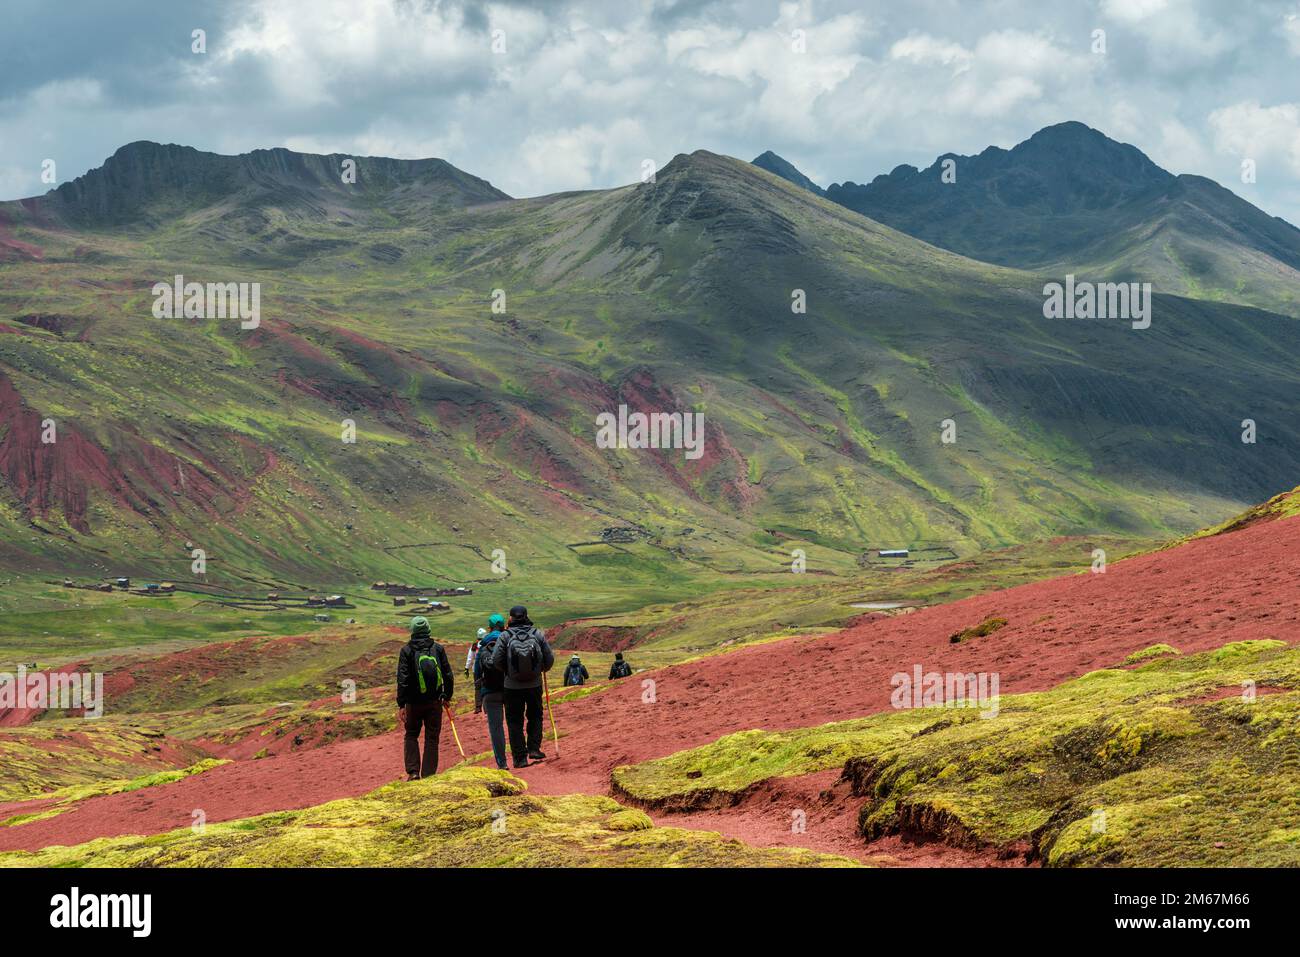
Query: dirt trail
[[1195, 597]]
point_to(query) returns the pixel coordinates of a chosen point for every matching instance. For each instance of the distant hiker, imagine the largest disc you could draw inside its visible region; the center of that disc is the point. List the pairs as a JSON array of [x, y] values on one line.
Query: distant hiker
[[424, 685], [620, 668], [523, 654], [470, 657], [492, 681], [576, 672], [473, 651]]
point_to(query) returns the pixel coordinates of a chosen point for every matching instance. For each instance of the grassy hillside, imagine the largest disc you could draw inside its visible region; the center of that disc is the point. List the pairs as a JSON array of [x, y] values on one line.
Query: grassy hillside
[[475, 429]]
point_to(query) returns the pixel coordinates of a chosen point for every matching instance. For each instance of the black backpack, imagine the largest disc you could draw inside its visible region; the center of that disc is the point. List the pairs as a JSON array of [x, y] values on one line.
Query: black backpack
[[622, 669], [493, 680], [523, 653], [573, 675]]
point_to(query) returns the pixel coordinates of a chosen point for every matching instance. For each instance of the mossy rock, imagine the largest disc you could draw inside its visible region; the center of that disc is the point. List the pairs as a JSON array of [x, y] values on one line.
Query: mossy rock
[[986, 627], [1151, 651], [630, 819]]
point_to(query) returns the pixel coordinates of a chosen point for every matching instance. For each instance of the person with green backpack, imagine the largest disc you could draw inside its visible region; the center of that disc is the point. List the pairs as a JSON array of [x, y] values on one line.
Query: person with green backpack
[[424, 687]]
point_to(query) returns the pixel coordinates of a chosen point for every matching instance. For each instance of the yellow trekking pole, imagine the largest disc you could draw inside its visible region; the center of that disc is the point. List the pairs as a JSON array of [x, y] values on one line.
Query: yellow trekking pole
[[447, 706], [555, 734]]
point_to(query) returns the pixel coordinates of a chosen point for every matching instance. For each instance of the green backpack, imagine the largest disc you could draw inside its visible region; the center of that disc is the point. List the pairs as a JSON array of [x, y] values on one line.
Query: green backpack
[[431, 669]]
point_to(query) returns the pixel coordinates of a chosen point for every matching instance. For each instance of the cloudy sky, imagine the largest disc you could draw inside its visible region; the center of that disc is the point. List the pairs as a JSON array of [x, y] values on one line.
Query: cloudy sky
[[544, 96]]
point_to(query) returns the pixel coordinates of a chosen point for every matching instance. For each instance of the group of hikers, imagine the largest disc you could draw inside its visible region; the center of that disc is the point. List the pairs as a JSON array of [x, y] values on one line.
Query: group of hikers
[[508, 660], [576, 672]]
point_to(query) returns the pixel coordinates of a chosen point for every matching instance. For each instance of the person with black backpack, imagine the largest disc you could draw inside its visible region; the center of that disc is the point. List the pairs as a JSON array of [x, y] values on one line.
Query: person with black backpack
[[491, 682], [576, 673], [424, 686], [522, 654], [620, 668]]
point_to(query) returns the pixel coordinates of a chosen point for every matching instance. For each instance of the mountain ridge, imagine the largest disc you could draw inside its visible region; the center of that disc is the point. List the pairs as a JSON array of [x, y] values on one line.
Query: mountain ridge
[[1069, 198], [145, 173]]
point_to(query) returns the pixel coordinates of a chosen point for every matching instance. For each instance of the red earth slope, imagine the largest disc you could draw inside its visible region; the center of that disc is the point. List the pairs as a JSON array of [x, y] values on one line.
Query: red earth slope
[[1196, 596]]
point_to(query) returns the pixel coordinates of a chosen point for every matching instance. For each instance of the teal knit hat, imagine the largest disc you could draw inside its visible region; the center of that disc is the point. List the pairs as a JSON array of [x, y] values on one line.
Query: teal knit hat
[[420, 627], [496, 622]]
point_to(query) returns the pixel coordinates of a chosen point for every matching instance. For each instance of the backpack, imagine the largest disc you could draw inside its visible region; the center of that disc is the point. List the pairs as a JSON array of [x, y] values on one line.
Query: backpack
[[622, 669], [492, 679], [428, 672], [523, 653], [573, 675]]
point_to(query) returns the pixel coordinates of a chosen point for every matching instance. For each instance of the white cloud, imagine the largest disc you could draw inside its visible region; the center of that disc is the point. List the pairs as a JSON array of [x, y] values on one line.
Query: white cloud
[[1266, 134], [1132, 11], [1176, 32], [923, 49], [585, 156], [789, 64], [1181, 149], [1291, 31], [586, 89], [315, 51]]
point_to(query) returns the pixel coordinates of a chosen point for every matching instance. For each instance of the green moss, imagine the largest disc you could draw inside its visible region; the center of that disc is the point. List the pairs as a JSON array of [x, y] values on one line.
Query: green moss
[[467, 817], [630, 819], [93, 757], [1151, 651], [64, 798], [1174, 768], [986, 627], [1285, 505]]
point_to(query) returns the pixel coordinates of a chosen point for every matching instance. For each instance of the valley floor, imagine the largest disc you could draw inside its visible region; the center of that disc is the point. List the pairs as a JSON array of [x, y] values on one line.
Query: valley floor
[[1198, 596]]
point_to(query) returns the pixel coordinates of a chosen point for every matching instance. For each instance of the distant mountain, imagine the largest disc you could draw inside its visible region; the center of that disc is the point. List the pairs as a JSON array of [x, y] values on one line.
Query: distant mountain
[[786, 170], [476, 426], [144, 180], [1071, 199]]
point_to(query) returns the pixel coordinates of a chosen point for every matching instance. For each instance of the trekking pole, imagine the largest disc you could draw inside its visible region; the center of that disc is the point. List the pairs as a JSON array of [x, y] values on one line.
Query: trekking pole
[[447, 706], [555, 734]]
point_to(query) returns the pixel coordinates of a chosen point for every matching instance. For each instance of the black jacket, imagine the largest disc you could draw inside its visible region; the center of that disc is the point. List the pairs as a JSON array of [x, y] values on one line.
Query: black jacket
[[500, 656], [408, 680], [620, 669]]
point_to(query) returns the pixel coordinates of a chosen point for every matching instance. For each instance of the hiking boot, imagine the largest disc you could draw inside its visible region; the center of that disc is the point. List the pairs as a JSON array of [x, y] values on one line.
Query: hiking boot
[[521, 764], [412, 777], [536, 756]]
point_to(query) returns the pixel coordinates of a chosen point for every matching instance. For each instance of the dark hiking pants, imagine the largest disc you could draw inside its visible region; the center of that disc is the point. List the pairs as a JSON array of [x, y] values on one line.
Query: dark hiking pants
[[494, 706], [427, 715], [521, 702]]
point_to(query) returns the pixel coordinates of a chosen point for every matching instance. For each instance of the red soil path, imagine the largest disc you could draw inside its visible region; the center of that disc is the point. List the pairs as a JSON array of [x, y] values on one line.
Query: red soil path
[[1198, 596]]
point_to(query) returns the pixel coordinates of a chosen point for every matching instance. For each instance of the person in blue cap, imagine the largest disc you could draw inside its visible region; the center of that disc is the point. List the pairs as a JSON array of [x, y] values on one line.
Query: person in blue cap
[[491, 684]]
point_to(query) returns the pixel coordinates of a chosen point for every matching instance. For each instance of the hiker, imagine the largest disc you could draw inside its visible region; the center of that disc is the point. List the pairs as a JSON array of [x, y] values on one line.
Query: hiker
[[471, 657], [473, 650], [620, 668], [576, 673], [424, 686], [492, 682], [523, 655]]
